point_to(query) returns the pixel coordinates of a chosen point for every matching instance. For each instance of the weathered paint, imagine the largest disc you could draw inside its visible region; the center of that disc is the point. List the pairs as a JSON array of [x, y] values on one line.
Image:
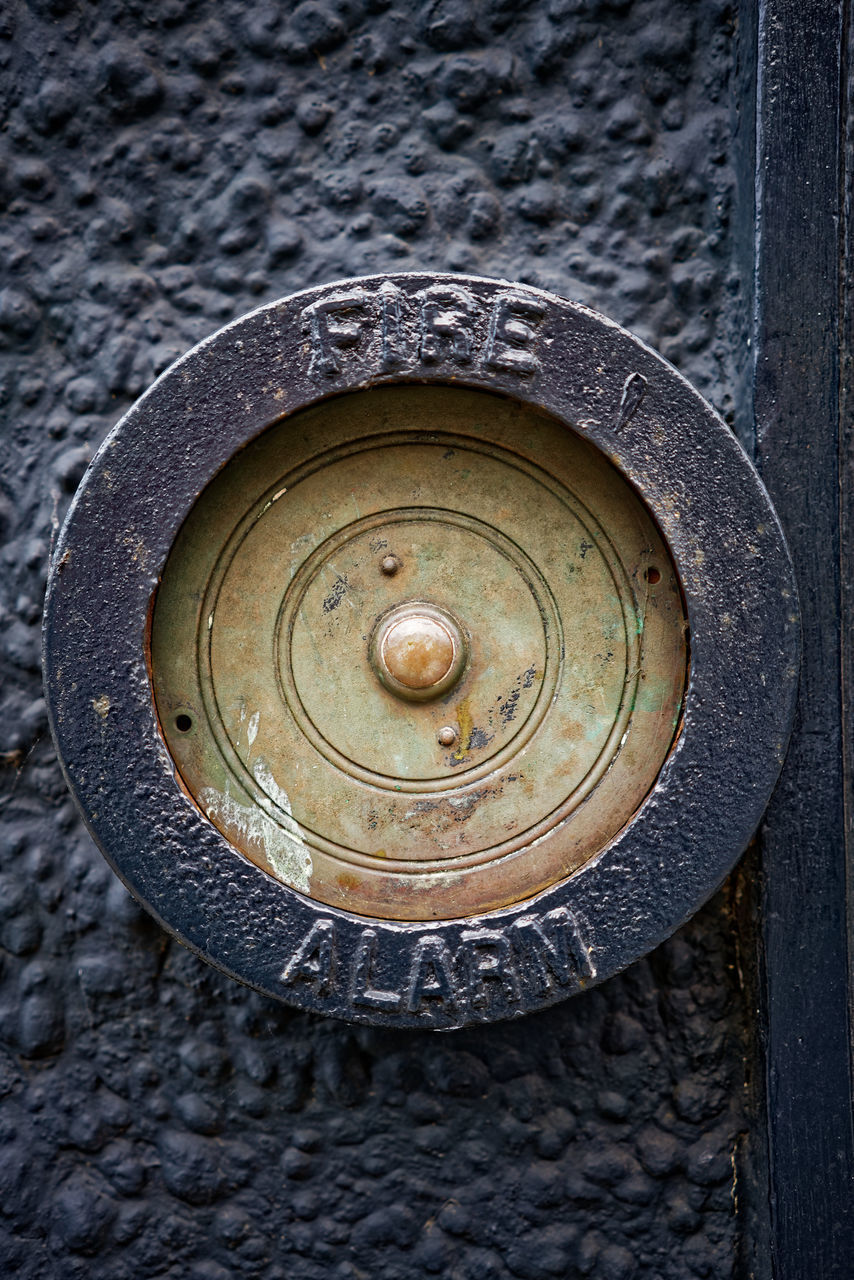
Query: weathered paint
[[277, 842]]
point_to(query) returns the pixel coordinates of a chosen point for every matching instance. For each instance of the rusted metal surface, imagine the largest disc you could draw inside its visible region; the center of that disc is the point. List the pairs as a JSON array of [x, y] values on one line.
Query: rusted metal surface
[[431, 648]]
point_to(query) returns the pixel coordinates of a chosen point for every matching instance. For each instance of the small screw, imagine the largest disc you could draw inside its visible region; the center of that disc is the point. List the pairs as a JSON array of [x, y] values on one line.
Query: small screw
[[390, 566], [447, 736]]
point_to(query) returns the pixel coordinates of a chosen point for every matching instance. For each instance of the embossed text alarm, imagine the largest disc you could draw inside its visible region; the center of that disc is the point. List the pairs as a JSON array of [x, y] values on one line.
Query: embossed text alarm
[[421, 649]]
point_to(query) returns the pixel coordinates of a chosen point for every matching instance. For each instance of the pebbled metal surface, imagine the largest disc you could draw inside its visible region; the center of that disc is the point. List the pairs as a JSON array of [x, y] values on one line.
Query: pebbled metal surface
[[160, 173], [561, 669]]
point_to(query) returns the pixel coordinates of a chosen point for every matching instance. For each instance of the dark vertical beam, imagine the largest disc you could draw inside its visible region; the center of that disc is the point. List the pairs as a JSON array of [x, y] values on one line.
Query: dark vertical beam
[[798, 332], [846, 488]]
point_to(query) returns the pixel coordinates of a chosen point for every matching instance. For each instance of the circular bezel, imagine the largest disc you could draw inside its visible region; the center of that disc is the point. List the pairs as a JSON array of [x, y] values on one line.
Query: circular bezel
[[603, 383]]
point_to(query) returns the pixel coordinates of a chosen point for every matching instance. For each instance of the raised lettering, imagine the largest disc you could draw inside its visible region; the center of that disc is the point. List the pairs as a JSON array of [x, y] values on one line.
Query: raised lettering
[[487, 958], [393, 354], [551, 949], [542, 951], [447, 324], [314, 959], [512, 333], [452, 329], [333, 324], [363, 991], [431, 974]]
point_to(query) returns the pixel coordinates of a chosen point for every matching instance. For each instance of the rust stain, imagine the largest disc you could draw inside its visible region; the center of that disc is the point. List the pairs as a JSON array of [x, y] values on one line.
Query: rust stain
[[464, 720], [140, 553]]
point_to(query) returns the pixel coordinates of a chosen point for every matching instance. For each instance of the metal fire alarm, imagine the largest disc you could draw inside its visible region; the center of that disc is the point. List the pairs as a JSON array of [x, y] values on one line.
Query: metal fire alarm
[[421, 649]]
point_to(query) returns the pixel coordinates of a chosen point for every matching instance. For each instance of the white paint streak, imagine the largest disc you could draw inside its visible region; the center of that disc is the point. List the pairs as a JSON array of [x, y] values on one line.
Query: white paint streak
[[281, 842], [252, 728]]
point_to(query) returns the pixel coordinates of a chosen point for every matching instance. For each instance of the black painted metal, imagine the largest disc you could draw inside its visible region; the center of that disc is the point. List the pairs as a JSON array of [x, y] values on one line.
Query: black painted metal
[[803, 180], [162, 171], [727, 547]]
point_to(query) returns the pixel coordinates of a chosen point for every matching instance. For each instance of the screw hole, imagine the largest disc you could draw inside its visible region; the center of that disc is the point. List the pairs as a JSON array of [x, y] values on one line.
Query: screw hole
[[652, 575], [183, 723]]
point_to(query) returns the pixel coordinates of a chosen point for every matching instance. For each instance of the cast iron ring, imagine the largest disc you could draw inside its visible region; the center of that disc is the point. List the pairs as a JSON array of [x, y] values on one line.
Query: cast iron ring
[[614, 391]]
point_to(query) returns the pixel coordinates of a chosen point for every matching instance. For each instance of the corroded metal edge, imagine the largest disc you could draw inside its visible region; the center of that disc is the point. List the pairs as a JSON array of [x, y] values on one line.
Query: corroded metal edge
[[724, 538]]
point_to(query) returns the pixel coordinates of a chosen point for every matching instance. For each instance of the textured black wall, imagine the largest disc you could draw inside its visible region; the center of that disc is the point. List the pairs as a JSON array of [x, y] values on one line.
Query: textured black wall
[[164, 167]]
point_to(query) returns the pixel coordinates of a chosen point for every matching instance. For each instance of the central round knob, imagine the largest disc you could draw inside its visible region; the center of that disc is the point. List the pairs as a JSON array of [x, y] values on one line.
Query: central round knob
[[418, 651]]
